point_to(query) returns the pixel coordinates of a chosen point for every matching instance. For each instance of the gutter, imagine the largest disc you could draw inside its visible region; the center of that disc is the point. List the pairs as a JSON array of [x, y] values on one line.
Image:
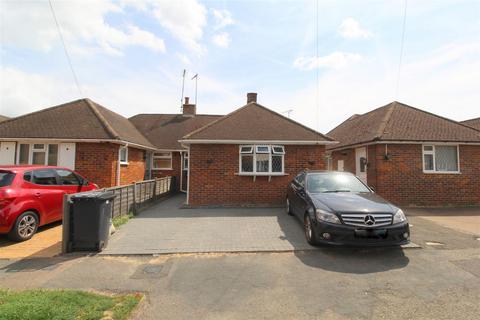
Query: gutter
[[283, 142], [121, 142]]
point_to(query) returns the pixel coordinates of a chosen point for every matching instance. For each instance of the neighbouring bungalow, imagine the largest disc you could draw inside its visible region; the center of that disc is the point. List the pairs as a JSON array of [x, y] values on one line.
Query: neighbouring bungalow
[[249, 156], [3, 118], [165, 131], [103, 146], [410, 156], [473, 123]]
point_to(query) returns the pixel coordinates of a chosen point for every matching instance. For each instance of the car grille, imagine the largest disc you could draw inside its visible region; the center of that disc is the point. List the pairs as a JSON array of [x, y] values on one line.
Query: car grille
[[361, 219]]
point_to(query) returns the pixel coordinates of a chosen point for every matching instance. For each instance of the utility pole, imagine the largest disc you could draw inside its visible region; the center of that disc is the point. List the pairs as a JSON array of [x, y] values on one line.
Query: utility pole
[[183, 88], [196, 86]]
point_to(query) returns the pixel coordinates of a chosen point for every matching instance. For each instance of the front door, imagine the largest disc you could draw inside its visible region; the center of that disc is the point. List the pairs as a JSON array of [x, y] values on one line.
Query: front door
[[184, 182], [361, 163]]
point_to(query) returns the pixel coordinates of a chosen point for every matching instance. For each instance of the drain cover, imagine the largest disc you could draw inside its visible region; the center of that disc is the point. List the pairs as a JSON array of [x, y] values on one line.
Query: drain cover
[[149, 269], [434, 243]]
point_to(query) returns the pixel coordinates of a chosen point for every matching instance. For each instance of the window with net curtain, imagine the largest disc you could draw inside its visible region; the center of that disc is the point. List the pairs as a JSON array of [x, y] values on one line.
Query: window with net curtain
[[263, 159], [440, 158]]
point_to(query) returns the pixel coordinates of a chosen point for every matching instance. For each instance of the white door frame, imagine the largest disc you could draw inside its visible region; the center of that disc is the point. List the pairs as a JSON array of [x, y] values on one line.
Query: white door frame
[[359, 154], [184, 170]]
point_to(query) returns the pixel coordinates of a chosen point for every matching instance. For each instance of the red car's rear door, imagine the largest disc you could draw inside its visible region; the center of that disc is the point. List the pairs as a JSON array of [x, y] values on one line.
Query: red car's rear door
[[45, 189]]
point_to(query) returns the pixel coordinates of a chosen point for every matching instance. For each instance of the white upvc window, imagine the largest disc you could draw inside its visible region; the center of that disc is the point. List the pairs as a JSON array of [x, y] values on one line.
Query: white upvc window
[[440, 158], [162, 160], [262, 159], [37, 153], [123, 155]]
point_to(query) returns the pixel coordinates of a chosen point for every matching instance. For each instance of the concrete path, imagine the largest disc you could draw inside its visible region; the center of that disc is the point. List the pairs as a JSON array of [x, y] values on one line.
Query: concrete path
[[466, 220], [165, 228]]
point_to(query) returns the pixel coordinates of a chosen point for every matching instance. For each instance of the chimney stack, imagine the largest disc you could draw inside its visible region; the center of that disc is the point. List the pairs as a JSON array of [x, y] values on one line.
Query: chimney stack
[[251, 97], [189, 110]]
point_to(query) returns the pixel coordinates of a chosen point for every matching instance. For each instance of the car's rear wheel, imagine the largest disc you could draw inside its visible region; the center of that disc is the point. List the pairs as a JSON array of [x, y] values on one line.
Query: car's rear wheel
[[25, 226], [287, 208], [308, 229]]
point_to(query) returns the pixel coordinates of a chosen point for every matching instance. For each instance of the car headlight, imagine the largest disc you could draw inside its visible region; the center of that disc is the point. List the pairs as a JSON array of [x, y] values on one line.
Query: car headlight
[[399, 216], [326, 216]]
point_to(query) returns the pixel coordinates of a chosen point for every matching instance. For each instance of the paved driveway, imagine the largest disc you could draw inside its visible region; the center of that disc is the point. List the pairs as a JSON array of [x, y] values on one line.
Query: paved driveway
[[165, 228]]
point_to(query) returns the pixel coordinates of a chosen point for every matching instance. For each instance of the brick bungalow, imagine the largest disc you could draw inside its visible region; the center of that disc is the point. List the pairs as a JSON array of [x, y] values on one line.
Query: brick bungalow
[[410, 156], [473, 123], [249, 156], [103, 146], [165, 131]]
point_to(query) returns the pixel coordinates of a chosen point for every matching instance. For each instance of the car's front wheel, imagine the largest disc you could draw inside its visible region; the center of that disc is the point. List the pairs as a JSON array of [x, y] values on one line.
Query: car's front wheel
[[288, 209], [25, 226], [308, 229]]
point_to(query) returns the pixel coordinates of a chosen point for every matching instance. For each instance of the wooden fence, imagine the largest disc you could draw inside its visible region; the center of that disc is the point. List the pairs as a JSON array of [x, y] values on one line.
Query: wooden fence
[[129, 199], [133, 197]]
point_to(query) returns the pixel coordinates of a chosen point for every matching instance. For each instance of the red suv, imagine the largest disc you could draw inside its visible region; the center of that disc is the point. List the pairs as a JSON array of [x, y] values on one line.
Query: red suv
[[32, 196]]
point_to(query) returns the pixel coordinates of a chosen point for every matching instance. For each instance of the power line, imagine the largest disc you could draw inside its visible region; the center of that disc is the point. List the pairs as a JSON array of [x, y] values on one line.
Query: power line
[[65, 49], [401, 49]]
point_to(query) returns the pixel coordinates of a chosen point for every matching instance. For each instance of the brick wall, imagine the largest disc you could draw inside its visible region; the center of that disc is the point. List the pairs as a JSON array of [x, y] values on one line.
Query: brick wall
[[135, 169], [402, 181], [175, 172], [348, 157], [214, 178], [97, 162]]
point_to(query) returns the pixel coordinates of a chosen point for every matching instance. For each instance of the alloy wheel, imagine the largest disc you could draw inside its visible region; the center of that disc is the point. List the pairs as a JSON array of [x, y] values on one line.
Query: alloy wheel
[[27, 226], [308, 228]]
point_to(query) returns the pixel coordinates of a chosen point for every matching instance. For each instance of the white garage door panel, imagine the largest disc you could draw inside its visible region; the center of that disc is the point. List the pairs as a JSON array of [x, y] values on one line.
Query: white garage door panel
[[66, 155], [7, 153]]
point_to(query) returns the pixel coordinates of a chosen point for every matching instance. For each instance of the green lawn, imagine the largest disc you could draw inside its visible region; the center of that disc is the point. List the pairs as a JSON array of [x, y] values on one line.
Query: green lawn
[[64, 304]]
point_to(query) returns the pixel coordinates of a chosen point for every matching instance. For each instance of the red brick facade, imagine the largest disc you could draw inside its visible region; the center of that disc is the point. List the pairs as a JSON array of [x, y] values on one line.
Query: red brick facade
[[175, 172], [214, 178], [135, 169], [98, 162], [401, 179]]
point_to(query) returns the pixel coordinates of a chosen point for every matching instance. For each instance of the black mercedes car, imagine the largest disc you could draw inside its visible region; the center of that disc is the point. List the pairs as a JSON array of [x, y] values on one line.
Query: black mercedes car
[[338, 208]]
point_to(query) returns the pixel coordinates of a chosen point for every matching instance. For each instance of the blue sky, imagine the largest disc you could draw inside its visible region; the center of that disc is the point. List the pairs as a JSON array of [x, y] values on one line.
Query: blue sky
[[129, 56]]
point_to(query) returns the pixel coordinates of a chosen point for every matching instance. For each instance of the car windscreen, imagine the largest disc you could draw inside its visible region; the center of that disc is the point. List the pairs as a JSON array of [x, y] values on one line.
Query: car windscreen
[[334, 182], [6, 178]]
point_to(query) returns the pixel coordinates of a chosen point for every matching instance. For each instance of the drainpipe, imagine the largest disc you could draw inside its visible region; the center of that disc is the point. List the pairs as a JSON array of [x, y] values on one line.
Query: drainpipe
[[188, 174], [118, 163]]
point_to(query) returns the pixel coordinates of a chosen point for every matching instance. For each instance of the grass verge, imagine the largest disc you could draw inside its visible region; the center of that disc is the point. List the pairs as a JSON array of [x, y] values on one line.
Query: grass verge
[[119, 220], [64, 304]]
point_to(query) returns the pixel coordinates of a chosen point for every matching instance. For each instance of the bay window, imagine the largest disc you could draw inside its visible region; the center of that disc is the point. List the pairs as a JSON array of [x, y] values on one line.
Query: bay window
[[440, 158], [162, 160], [262, 159]]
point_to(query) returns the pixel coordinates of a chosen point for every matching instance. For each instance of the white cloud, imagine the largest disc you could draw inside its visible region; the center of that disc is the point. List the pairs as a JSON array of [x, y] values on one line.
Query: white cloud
[[222, 18], [443, 81], [83, 25], [221, 39], [351, 29], [185, 20], [335, 60], [42, 91], [183, 58]]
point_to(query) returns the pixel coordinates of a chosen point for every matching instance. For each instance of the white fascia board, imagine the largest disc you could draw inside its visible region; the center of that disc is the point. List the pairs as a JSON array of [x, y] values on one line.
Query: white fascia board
[[58, 140], [280, 142], [353, 146]]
